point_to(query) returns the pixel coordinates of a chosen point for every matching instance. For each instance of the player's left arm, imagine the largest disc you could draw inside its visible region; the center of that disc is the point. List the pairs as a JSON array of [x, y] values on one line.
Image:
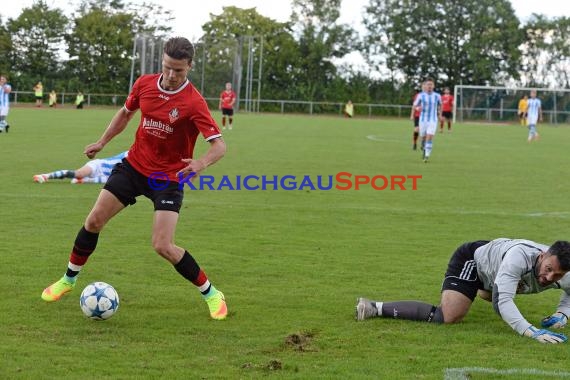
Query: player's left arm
[[216, 151], [560, 318], [540, 112]]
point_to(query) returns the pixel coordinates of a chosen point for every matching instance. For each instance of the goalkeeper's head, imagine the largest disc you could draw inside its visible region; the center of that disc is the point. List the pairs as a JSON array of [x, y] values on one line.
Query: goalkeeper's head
[[561, 249], [553, 264]]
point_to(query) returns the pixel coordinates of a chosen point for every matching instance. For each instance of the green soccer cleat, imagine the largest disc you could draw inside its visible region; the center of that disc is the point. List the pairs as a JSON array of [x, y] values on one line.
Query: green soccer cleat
[[56, 290], [217, 305]]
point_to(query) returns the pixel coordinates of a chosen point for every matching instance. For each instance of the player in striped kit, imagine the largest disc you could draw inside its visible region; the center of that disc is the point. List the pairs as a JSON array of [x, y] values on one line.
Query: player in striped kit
[[495, 270], [94, 171], [428, 103], [5, 90], [534, 114]]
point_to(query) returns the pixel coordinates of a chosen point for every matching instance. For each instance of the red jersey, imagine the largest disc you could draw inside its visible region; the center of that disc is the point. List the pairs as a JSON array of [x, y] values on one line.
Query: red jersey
[[169, 126], [446, 103], [416, 112], [228, 98]]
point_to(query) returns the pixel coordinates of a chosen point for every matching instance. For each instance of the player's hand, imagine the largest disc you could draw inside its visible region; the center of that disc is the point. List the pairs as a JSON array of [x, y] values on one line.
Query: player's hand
[[91, 150], [194, 166], [556, 321], [545, 336]]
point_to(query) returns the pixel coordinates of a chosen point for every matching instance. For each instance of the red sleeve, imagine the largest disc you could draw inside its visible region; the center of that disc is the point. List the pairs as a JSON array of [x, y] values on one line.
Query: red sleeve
[[132, 102], [202, 119]]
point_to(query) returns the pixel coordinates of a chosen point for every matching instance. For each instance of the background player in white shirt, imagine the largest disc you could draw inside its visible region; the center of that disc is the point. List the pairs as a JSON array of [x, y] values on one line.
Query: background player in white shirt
[[496, 270], [534, 114], [5, 90], [428, 103]]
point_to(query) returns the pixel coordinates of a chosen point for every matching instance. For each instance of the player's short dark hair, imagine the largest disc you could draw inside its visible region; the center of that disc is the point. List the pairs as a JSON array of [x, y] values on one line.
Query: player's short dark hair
[[179, 48], [429, 79], [561, 249]]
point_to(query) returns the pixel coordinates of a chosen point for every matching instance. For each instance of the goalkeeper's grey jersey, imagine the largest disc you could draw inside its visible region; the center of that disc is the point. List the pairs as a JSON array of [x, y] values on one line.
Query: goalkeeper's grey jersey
[[507, 267]]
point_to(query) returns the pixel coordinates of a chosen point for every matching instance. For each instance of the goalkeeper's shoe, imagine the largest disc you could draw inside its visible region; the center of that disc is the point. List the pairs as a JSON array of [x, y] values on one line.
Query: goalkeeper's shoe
[[217, 305], [365, 309], [56, 290], [41, 178]]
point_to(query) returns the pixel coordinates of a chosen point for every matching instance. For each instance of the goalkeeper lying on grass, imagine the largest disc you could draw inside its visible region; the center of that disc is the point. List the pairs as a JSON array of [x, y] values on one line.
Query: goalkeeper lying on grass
[[496, 270]]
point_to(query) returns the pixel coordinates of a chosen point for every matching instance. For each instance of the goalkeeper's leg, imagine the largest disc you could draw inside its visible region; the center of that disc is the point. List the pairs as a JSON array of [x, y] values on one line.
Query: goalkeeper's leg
[[454, 306]]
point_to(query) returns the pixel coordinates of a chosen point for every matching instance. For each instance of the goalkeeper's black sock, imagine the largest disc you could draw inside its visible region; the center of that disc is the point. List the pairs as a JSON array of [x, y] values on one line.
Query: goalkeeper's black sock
[[411, 310], [59, 174]]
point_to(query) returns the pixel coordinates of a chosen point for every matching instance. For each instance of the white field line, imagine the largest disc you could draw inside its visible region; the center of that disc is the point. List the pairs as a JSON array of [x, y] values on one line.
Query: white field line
[[464, 373]]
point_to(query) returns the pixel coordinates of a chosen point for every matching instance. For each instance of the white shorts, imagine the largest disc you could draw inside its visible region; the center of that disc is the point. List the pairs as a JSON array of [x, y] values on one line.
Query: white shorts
[[428, 127], [4, 111], [96, 168], [532, 120]]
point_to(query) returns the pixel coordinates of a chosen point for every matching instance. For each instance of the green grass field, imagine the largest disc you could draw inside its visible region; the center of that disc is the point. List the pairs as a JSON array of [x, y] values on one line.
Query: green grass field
[[291, 263]]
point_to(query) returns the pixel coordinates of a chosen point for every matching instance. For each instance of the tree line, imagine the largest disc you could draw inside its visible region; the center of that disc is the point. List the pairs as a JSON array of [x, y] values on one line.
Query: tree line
[[479, 42]]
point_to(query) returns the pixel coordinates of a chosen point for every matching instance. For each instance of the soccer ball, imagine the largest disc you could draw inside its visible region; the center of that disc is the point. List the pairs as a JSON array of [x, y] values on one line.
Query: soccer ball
[[99, 301]]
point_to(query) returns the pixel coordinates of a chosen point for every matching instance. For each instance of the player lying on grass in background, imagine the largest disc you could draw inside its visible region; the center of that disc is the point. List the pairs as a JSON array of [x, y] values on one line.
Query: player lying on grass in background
[[94, 171]]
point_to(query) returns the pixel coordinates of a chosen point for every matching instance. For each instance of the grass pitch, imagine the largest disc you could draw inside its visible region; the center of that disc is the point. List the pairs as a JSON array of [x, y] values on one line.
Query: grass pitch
[[291, 263]]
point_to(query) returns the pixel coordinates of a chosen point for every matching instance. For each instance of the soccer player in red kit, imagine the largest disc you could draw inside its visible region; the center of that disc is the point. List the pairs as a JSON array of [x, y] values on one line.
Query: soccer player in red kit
[[446, 109], [173, 114], [227, 101], [415, 116]]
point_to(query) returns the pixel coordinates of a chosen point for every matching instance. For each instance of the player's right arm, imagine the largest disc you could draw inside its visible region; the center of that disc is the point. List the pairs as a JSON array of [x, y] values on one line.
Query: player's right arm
[[504, 289], [116, 126]]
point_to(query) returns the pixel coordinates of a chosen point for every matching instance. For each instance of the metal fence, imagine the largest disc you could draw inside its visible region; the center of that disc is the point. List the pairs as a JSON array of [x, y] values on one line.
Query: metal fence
[[490, 114]]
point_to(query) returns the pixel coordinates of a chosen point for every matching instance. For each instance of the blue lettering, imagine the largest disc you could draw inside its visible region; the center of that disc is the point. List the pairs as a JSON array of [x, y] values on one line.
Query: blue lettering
[[306, 182], [319, 183], [265, 182], [246, 180], [186, 180], [289, 185], [207, 180], [225, 182]]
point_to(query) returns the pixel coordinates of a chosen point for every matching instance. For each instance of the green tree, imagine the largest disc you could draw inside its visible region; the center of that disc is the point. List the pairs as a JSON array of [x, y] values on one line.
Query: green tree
[[223, 50], [37, 37], [547, 52], [5, 49], [320, 39], [101, 40], [472, 41]]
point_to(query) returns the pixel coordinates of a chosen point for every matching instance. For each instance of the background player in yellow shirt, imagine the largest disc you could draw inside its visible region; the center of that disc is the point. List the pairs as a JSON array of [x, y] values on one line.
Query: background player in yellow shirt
[[522, 112]]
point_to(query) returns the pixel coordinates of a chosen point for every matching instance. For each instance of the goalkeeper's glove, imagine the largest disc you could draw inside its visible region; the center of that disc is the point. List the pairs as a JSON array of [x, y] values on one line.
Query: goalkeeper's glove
[[545, 336], [556, 321]]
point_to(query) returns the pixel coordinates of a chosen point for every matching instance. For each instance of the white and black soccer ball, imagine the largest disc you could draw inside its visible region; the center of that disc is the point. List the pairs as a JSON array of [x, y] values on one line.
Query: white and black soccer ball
[[99, 301]]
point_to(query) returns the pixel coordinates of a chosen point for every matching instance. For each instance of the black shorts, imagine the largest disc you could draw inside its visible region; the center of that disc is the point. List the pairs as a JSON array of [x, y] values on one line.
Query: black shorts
[[126, 184], [522, 115], [39, 97], [228, 111], [461, 274], [416, 122], [447, 115]]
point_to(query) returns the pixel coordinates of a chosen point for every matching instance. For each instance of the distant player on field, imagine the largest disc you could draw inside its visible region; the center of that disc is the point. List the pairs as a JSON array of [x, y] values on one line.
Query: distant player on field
[[94, 171], [428, 103], [5, 90], [534, 114], [173, 115], [415, 116], [446, 109], [522, 109], [496, 270], [227, 101]]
